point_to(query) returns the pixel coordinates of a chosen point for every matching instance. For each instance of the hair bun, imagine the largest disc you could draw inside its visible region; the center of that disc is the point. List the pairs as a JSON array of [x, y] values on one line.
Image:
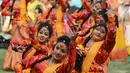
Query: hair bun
[[64, 39]]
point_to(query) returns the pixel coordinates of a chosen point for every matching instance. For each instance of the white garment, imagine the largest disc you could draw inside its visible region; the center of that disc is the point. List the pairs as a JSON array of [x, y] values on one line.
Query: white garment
[[124, 14], [127, 32], [6, 25]]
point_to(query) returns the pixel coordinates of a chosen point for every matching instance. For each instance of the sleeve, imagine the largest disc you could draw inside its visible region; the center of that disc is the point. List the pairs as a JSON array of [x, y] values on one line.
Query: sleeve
[[80, 15], [77, 16], [44, 15], [33, 32], [86, 27], [40, 48], [107, 46], [5, 10], [68, 66], [16, 42], [63, 5], [27, 63], [16, 7]]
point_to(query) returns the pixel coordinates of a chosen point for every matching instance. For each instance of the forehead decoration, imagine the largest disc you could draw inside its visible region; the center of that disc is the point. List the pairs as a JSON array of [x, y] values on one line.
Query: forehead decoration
[[48, 26], [61, 45]]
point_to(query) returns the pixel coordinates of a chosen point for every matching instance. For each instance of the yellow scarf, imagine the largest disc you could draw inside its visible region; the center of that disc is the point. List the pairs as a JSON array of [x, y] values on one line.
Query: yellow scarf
[[90, 57], [23, 16], [51, 69], [59, 23]]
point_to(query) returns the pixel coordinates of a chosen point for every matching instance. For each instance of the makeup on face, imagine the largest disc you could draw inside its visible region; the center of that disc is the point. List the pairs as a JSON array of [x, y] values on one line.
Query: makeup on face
[[60, 51], [99, 33], [43, 35]]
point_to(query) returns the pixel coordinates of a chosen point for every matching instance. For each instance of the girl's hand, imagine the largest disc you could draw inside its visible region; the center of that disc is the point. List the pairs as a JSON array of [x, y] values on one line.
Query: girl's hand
[[79, 51], [17, 48]]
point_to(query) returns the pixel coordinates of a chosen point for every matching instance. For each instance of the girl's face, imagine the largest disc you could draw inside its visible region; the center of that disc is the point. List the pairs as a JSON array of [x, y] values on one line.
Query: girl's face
[[37, 14], [97, 7], [89, 1], [111, 17], [43, 35], [44, 1], [52, 2], [98, 33], [60, 51]]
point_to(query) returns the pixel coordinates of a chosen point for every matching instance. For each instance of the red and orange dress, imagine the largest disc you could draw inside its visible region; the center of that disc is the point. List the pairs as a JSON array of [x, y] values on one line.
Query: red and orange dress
[[18, 32], [44, 67], [96, 57]]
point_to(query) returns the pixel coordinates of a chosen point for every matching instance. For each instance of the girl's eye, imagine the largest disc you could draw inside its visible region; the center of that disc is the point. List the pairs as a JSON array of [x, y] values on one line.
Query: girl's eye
[[41, 32], [57, 48], [97, 28], [102, 32], [63, 51], [46, 34]]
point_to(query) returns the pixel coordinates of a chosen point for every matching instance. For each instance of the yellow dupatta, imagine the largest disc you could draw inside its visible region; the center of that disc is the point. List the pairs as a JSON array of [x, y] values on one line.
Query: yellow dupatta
[[28, 70], [23, 10], [30, 53], [52, 68], [120, 40], [59, 24], [90, 57]]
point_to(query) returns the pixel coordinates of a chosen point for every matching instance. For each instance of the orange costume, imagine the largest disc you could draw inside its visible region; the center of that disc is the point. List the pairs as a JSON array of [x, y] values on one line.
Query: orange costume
[[18, 31], [96, 57], [80, 16], [39, 64], [56, 18]]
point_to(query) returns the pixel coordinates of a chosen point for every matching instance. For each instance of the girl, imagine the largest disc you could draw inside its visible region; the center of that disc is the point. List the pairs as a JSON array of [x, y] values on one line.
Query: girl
[[97, 46], [19, 31], [39, 42], [60, 61]]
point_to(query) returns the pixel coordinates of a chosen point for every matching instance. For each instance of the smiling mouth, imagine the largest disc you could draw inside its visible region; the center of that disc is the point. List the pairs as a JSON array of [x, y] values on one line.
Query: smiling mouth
[[41, 38], [57, 55], [97, 35]]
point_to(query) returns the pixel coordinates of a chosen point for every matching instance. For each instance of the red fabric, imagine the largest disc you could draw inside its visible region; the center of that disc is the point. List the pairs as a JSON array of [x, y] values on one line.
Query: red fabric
[[4, 2], [68, 66], [77, 16], [19, 42], [40, 67], [43, 50], [26, 63], [104, 51], [62, 3]]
